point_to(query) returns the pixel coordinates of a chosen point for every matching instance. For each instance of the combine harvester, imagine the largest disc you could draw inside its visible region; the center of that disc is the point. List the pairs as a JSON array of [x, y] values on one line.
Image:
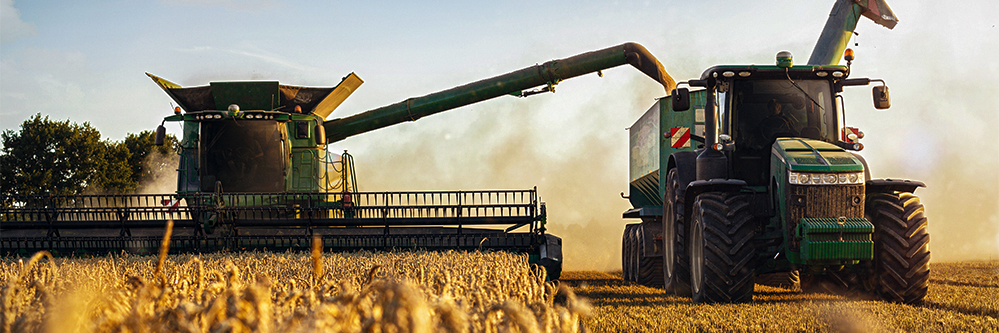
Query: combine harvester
[[255, 173], [755, 175]]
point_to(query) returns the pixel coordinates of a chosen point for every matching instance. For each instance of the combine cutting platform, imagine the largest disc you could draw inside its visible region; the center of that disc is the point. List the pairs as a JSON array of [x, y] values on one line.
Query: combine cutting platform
[[97, 224]]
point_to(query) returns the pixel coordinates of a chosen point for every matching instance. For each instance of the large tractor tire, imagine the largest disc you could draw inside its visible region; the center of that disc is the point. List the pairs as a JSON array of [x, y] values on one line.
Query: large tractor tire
[[722, 253], [650, 269], [676, 266], [901, 246], [787, 280]]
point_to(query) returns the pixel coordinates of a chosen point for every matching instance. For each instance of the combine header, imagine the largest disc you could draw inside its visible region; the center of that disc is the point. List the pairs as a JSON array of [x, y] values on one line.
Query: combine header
[[255, 173]]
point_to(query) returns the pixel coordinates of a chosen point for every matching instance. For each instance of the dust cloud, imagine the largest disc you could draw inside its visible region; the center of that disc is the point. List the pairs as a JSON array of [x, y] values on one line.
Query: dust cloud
[[577, 158], [162, 174]]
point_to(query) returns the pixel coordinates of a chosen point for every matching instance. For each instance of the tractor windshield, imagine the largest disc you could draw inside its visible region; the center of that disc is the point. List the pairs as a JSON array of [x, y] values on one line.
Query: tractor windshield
[[245, 156], [764, 110]]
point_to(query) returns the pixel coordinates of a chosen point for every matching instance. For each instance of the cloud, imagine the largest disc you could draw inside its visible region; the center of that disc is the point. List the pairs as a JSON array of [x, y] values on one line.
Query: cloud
[[257, 55], [11, 26]]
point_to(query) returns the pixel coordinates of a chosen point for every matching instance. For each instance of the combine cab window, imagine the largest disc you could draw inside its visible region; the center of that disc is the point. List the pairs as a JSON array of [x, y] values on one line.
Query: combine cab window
[[245, 156]]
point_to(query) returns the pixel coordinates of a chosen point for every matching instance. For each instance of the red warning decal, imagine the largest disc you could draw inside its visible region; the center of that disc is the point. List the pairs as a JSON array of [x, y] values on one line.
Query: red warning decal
[[679, 137]]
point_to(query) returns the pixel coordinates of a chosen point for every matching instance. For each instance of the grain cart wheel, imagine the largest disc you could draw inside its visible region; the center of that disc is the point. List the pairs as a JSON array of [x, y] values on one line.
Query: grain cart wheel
[[676, 268], [633, 253], [626, 252], [650, 269], [721, 249], [787, 280], [901, 246]]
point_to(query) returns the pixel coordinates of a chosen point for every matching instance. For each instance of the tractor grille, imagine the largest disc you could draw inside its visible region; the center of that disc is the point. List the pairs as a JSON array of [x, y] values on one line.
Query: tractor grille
[[822, 201]]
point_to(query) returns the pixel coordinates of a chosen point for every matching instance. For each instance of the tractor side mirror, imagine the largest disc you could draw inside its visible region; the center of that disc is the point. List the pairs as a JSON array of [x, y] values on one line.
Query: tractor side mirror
[[680, 99], [882, 100], [320, 134], [160, 135]]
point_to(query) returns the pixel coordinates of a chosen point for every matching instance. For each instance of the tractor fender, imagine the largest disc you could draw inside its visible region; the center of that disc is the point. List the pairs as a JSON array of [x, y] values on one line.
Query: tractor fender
[[697, 187], [892, 185], [685, 163]]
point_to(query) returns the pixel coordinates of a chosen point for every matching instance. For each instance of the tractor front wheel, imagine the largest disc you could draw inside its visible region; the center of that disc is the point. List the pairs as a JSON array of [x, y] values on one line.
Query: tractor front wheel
[[721, 252], [901, 246]]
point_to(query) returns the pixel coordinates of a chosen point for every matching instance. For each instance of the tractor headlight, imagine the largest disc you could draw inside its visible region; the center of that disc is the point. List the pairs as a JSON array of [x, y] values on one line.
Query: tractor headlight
[[822, 178]]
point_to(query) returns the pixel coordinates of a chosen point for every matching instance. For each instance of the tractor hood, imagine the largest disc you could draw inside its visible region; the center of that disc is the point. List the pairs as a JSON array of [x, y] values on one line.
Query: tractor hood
[[814, 155]]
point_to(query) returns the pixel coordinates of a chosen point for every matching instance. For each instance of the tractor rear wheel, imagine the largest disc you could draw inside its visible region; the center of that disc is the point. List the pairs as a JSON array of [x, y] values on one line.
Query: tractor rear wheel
[[721, 248], [676, 268], [901, 246], [650, 269]]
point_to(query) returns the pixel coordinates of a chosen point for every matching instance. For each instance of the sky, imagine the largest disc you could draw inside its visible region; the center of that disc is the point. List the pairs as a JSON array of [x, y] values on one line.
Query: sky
[[85, 61]]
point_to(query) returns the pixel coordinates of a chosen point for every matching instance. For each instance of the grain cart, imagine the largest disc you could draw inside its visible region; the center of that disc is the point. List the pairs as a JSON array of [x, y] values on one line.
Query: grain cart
[[255, 172], [754, 173]]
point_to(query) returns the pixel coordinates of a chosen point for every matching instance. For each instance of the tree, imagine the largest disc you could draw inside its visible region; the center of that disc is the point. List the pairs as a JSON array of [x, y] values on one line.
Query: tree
[[114, 174], [49, 157], [61, 158]]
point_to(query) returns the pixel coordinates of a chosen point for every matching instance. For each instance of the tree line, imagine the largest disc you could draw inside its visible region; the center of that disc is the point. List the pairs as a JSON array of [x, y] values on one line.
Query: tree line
[[47, 157]]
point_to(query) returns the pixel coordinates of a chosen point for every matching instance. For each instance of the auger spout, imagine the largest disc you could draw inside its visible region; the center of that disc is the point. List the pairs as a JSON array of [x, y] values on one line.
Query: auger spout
[[840, 25]]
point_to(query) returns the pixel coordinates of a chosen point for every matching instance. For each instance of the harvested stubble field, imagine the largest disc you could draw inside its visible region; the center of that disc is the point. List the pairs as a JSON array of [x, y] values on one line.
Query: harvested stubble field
[[963, 297], [285, 292]]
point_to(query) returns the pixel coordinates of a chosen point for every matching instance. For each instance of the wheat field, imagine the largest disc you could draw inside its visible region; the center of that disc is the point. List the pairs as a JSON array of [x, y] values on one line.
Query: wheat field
[[435, 292], [285, 292]]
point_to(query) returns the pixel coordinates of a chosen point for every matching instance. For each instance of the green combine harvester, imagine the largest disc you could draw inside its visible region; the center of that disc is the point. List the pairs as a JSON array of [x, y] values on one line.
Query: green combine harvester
[[255, 173], [754, 175]]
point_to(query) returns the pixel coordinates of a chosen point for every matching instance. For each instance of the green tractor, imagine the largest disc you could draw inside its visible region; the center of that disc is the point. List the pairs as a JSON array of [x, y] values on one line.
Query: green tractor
[[754, 176]]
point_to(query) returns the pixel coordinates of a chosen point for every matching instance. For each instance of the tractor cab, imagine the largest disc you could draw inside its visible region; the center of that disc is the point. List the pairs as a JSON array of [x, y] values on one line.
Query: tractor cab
[[756, 105]]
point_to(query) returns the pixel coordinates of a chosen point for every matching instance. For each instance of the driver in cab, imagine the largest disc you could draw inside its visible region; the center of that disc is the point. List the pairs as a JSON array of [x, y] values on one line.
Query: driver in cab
[[776, 124]]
